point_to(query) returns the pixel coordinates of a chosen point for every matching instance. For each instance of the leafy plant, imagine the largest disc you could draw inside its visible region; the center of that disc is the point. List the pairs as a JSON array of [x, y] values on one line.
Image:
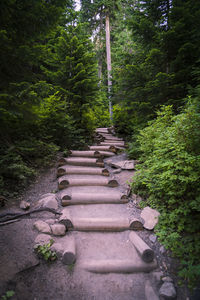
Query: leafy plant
[[7, 295], [168, 179], [45, 251]]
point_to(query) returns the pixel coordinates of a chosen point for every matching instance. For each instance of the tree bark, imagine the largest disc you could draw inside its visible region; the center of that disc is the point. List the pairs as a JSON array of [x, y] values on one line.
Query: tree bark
[[109, 68]]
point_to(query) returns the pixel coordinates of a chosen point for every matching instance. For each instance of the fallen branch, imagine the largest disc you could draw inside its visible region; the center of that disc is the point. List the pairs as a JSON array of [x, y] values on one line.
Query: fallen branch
[[8, 222], [19, 215]]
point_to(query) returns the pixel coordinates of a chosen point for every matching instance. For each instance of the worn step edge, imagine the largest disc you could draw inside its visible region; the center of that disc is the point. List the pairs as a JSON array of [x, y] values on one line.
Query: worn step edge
[[118, 266]]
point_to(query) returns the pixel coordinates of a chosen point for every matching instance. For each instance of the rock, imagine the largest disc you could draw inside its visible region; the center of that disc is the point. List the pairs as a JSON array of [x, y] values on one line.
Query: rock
[[42, 239], [153, 238], [24, 205], [167, 290], [48, 201], [42, 227], [117, 171], [124, 165], [167, 279], [58, 248], [50, 221], [162, 250], [150, 217], [58, 229], [149, 292], [157, 276]]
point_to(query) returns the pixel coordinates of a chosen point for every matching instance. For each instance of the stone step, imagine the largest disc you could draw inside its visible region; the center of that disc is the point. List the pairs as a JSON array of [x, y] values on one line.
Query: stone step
[[118, 266], [109, 148], [74, 153], [93, 198], [81, 161], [67, 169], [86, 180]]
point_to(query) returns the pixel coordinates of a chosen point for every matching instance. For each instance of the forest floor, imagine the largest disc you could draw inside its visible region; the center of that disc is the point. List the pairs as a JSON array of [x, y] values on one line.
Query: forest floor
[[34, 279]]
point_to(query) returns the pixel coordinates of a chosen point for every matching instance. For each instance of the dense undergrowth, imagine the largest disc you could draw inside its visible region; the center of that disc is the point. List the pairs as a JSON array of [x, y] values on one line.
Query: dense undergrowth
[[168, 179]]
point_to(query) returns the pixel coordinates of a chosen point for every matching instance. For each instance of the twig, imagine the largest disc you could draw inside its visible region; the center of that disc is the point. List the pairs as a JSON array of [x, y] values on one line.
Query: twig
[[8, 222], [18, 215]]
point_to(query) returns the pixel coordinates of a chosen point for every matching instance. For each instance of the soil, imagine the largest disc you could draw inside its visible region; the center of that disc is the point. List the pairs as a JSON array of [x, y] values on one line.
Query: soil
[[34, 279]]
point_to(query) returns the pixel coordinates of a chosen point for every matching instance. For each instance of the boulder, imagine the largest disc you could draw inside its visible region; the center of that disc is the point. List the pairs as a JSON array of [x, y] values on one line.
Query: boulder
[[48, 201], [58, 248], [58, 229], [42, 227], [42, 239], [124, 165], [24, 205], [50, 221], [167, 291], [153, 238], [150, 217]]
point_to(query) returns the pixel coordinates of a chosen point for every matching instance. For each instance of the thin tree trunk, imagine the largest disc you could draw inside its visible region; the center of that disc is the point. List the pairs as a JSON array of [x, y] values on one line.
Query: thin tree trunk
[[109, 68], [100, 48]]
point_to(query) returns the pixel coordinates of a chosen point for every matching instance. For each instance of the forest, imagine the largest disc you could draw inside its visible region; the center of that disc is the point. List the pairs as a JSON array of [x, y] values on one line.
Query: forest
[[56, 88]]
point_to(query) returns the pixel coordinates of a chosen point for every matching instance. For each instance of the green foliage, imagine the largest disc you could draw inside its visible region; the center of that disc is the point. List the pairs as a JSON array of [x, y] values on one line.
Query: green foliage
[[168, 179], [8, 295], [45, 251]]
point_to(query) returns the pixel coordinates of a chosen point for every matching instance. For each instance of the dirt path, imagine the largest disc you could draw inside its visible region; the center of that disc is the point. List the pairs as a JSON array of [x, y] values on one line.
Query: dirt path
[[31, 278]]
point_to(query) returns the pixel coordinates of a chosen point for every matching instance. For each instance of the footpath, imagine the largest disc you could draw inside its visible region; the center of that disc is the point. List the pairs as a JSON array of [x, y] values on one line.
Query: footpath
[[97, 233]]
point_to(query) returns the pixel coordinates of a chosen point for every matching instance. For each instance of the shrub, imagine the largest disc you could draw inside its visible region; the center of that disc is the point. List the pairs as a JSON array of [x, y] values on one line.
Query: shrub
[[168, 179]]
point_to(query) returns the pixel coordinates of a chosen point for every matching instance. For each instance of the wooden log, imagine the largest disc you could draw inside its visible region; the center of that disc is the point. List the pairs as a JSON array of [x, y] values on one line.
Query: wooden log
[[65, 182], [74, 153], [100, 224], [106, 153], [65, 219], [143, 249], [70, 170], [112, 143], [118, 266], [135, 224], [109, 148], [111, 137], [81, 161], [93, 198], [118, 146], [69, 254], [103, 130]]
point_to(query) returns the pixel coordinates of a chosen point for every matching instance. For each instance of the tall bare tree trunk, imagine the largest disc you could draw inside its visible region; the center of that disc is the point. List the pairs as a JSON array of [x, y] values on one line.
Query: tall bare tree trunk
[[109, 68]]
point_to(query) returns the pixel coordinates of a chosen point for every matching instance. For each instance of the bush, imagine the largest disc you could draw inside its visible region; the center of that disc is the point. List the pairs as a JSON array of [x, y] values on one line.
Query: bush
[[168, 179]]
